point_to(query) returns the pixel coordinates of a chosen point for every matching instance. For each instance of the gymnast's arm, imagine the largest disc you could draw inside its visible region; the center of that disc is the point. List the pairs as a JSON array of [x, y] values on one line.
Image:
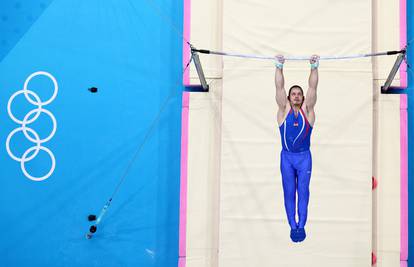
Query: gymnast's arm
[[281, 98], [311, 95]]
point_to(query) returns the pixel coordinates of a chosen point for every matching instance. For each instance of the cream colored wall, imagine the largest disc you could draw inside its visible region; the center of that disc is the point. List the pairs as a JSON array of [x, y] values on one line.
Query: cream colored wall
[[203, 178], [253, 227], [386, 138], [204, 140], [386, 37], [235, 202], [386, 198]]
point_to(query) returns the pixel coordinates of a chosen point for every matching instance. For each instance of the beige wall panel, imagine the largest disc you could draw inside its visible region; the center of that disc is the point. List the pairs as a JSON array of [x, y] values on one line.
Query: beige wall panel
[[386, 206], [386, 36], [203, 177], [253, 230]]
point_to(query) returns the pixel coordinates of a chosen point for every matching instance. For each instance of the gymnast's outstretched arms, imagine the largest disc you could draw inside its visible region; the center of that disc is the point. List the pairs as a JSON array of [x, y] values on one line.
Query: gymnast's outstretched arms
[[311, 96], [281, 97]]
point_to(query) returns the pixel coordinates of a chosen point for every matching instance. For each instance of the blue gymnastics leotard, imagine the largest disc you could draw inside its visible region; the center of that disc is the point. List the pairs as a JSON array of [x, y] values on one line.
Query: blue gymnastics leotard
[[296, 166]]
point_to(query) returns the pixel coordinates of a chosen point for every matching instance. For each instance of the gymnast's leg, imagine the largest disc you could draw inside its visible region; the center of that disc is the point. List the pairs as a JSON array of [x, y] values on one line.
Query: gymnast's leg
[[304, 171], [289, 191]]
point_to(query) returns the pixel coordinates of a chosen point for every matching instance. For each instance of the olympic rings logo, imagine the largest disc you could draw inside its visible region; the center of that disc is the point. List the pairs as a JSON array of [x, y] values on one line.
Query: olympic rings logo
[[35, 138]]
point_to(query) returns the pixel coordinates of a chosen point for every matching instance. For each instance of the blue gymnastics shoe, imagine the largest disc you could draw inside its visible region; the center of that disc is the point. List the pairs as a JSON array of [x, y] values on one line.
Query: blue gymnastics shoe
[[300, 234], [294, 235]]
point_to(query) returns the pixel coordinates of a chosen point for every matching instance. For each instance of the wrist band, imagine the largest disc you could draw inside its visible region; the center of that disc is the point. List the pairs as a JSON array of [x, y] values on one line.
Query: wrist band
[[315, 65], [279, 65]]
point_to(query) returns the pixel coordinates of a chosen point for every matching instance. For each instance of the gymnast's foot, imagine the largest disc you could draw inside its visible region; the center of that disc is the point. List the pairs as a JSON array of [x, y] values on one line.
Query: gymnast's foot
[[294, 235], [300, 234]]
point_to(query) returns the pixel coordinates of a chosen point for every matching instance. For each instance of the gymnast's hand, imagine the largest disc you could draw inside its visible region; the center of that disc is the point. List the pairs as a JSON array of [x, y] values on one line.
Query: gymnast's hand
[[280, 59], [314, 59]]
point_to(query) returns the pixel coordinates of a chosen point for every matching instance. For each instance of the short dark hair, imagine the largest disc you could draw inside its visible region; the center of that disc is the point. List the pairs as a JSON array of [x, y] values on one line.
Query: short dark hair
[[293, 87]]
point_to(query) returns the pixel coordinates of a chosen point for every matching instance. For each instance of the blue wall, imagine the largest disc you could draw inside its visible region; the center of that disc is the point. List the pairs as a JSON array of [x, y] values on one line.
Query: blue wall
[[133, 56], [410, 100]]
